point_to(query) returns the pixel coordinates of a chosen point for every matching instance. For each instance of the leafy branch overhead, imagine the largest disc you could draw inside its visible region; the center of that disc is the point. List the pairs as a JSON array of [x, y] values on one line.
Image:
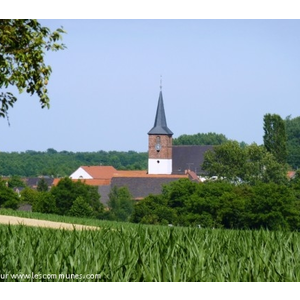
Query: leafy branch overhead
[[23, 44]]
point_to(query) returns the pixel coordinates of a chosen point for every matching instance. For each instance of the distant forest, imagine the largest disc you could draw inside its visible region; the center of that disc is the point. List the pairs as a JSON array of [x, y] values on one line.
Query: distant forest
[[59, 164], [64, 163]]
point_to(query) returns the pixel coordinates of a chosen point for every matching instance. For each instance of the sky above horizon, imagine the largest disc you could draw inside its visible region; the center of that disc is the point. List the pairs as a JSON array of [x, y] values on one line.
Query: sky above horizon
[[218, 76]]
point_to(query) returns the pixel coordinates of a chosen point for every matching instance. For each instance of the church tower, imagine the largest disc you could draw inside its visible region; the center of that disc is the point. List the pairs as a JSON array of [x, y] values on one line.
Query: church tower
[[160, 143]]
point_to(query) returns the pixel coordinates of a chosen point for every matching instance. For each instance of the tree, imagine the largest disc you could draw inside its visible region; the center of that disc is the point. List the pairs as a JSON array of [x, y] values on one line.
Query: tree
[[226, 161], [120, 203], [154, 210], [250, 164], [292, 127], [262, 166], [16, 181], [272, 206], [8, 198], [29, 195], [23, 43], [42, 185], [44, 203], [211, 205], [178, 192], [275, 137], [81, 208], [67, 191]]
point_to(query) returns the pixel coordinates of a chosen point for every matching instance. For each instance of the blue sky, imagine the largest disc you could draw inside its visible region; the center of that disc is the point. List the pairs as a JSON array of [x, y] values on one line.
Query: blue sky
[[218, 76]]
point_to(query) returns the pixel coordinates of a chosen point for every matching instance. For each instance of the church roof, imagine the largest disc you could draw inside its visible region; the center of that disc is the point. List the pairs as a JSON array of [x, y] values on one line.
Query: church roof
[[160, 123], [141, 187], [189, 157]]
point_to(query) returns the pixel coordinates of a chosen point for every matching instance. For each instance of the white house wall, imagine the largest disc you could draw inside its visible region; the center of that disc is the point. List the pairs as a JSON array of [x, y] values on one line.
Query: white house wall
[[80, 174]]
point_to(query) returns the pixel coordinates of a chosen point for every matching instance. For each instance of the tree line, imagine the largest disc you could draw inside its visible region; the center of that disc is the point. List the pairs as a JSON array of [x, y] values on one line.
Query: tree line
[[59, 164], [212, 204], [223, 205]]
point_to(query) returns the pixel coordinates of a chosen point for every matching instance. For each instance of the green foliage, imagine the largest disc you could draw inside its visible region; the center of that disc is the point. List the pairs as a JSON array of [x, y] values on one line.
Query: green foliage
[[120, 204], [16, 181], [154, 210], [42, 185], [208, 202], [22, 49], [210, 138], [272, 206], [81, 208], [292, 127], [248, 164], [178, 192], [262, 166], [67, 191], [295, 182], [44, 203], [29, 195], [60, 164], [221, 204], [8, 198], [68, 197], [275, 137], [226, 161], [11, 201]]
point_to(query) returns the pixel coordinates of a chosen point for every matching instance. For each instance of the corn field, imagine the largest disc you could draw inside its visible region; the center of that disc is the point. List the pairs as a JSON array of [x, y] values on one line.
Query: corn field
[[145, 253]]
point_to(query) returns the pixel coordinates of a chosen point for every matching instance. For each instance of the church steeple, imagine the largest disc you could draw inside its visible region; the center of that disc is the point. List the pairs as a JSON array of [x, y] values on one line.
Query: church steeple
[[160, 142], [160, 122]]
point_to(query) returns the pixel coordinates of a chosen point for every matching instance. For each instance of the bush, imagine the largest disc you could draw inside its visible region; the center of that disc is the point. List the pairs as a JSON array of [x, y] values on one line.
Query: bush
[[45, 203], [81, 208], [8, 198]]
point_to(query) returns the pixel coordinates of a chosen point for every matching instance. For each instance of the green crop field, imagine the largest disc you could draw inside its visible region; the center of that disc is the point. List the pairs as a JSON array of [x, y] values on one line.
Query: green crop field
[[132, 253]]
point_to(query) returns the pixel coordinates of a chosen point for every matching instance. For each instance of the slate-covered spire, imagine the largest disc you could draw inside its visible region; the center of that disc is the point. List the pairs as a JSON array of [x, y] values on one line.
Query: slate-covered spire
[[160, 123]]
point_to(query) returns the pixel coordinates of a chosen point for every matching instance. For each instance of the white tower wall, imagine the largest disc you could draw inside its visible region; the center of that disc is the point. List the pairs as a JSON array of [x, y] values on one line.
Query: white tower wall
[[159, 166]]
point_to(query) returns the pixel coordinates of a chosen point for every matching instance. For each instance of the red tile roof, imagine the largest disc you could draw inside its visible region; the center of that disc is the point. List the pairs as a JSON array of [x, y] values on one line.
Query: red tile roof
[[192, 175], [144, 174], [95, 181], [56, 181], [97, 172]]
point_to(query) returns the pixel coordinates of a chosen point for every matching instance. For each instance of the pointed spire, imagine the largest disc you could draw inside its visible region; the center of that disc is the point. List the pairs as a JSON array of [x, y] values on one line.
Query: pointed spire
[[160, 123], [160, 83]]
